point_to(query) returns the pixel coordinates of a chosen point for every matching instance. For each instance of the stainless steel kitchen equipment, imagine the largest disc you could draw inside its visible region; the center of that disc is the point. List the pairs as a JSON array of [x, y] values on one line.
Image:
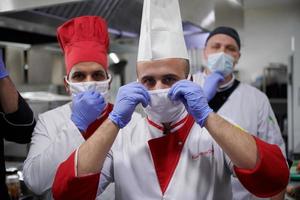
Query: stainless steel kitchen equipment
[[294, 100]]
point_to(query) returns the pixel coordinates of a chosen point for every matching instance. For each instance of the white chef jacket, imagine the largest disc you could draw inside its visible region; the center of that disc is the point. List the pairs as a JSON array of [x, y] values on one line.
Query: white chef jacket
[[54, 138], [250, 109], [203, 170]]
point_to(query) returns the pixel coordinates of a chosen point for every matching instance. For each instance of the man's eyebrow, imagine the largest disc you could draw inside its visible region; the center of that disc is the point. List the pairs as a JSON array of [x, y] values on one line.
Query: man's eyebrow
[[77, 72], [146, 77], [231, 45], [170, 75], [99, 71], [214, 42]]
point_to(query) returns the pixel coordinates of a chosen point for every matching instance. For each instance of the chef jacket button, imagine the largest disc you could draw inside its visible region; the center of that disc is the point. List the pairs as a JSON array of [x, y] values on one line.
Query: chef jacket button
[[179, 143]]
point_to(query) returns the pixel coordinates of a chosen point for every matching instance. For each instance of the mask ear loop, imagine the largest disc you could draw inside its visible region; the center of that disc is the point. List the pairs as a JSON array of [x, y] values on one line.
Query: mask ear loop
[[66, 79], [108, 77], [189, 77]]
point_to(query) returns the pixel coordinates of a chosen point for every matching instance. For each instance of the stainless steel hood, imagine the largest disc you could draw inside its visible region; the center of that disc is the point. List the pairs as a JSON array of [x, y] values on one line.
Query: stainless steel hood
[[38, 25], [14, 5]]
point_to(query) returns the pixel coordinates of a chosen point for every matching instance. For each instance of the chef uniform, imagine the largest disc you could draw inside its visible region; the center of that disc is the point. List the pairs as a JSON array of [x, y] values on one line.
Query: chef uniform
[[144, 163], [250, 109], [55, 136]]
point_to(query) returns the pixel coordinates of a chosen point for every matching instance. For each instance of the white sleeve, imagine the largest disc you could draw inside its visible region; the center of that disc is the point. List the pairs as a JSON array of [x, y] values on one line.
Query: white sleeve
[[268, 129], [50, 145], [107, 173]]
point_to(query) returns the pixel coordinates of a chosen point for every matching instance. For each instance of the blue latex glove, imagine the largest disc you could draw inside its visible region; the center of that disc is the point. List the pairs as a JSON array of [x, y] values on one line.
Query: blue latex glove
[[3, 72], [211, 84], [86, 107], [129, 96], [194, 99]]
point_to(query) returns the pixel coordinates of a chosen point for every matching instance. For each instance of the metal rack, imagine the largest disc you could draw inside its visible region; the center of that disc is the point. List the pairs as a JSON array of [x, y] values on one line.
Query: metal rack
[[274, 85]]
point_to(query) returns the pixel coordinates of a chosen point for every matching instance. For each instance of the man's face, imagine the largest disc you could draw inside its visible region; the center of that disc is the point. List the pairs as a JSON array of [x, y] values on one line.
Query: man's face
[[161, 74], [222, 43], [87, 71]]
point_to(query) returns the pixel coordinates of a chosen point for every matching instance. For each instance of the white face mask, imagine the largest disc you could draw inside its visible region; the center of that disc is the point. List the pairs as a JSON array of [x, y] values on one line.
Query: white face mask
[[99, 86], [220, 62], [162, 109]]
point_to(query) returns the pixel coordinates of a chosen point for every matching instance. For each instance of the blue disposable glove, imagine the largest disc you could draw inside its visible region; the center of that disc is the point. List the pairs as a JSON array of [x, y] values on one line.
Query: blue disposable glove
[[86, 107], [129, 96], [3, 72], [194, 99], [211, 84]]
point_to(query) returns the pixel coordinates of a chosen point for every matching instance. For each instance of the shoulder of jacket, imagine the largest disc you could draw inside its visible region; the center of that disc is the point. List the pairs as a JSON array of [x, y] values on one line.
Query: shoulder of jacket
[[129, 132], [253, 90], [136, 119], [254, 95], [59, 111]]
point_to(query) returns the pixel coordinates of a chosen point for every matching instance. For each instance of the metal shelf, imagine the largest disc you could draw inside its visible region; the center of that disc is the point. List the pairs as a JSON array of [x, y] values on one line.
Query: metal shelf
[[278, 100]]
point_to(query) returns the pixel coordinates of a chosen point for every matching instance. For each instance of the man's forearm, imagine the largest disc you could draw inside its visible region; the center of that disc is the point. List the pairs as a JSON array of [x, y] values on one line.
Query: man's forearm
[[237, 144], [8, 96], [92, 153]]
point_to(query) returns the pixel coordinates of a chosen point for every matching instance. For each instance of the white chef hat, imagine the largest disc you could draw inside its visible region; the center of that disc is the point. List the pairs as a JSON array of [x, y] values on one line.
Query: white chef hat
[[161, 33]]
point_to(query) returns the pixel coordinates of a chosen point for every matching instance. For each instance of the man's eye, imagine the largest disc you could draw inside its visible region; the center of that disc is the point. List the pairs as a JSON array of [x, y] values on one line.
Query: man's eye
[[169, 80], [78, 76], [148, 82], [215, 46], [232, 49], [99, 77]]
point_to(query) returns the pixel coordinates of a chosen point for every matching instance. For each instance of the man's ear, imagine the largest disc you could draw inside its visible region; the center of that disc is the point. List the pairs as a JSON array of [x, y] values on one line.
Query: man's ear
[[67, 87], [204, 54], [237, 60], [111, 78]]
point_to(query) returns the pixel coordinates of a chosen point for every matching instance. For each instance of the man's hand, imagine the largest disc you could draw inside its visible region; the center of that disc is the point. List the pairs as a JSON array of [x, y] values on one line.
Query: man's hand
[[86, 107], [211, 84], [3, 72], [129, 96], [194, 99]]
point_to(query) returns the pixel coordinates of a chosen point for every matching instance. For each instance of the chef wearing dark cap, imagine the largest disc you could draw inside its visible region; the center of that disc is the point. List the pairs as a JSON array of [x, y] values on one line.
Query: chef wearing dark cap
[[243, 104]]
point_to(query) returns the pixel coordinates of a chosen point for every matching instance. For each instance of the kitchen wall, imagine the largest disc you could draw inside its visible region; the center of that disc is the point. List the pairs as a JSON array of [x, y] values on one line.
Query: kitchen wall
[[45, 67], [15, 63], [267, 38]]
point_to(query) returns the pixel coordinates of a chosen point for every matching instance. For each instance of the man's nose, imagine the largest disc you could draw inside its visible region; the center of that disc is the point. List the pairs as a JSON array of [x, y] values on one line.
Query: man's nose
[[160, 85], [89, 78], [222, 49]]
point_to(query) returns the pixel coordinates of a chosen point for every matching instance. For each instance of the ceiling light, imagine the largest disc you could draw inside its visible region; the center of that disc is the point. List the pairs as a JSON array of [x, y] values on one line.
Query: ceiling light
[[114, 58]]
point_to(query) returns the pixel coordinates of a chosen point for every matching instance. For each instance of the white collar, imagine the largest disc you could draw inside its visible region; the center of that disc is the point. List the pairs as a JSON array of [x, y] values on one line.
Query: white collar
[[226, 85]]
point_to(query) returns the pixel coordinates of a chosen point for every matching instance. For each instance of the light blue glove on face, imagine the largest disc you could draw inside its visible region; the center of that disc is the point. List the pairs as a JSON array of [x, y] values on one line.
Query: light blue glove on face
[[211, 84], [3, 72], [129, 96], [194, 99], [86, 107]]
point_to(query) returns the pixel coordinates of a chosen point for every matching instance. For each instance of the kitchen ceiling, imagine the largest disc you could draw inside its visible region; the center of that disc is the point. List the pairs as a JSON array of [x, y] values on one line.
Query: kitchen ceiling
[[15, 5], [252, 4], [123, 16]]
